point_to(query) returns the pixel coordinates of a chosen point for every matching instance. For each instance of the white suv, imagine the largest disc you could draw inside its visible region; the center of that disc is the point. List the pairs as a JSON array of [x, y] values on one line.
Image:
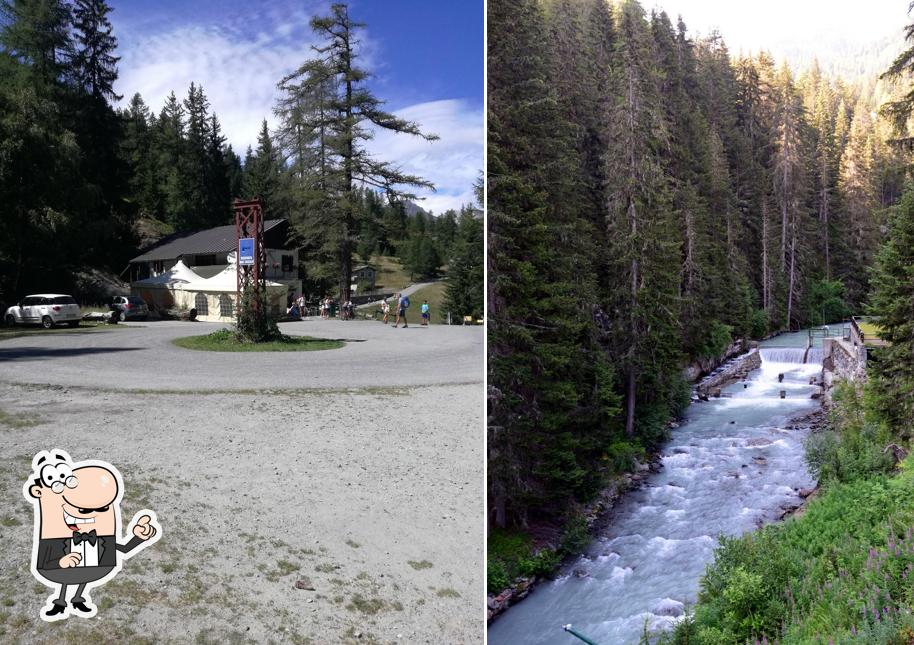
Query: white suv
[[45, 309]]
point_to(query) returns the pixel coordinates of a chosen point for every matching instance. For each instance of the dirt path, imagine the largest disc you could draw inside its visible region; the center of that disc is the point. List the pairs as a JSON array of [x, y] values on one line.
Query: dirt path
[[371, 496]]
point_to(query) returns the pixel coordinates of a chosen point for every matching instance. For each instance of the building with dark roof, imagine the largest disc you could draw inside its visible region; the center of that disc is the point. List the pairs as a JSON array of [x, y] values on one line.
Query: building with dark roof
[[206, 253]]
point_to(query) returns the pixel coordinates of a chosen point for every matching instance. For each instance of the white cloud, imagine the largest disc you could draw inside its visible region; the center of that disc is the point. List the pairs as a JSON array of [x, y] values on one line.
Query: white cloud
[[239, 76], [452, 163]]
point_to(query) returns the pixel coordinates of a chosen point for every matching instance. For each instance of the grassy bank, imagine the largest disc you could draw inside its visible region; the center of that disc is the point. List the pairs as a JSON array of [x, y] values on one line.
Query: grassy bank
[[225, 340], [512, 553], [434, 293], [843, 571]]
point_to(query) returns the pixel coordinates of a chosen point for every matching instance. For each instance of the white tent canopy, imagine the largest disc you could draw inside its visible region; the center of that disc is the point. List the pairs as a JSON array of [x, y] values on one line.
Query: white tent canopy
[[177, 276], [225, 280]]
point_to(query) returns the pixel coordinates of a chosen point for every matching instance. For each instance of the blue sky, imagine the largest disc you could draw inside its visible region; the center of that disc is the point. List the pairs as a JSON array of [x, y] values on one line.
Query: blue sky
[[427, 58]]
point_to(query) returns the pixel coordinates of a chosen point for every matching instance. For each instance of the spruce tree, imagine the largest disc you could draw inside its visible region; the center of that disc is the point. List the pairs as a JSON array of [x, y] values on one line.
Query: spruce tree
[[892, 300]]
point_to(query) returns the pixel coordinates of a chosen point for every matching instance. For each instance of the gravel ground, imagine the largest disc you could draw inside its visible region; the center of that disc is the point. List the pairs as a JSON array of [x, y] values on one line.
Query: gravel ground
[[356, 473]]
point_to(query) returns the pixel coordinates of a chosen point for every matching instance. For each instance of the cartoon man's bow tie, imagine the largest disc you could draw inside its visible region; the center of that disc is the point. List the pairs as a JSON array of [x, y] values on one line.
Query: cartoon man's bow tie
[[84, 537]]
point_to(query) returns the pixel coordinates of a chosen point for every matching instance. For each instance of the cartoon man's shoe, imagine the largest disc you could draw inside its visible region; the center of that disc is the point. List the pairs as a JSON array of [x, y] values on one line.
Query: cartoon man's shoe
[[82, 609], [56, 611]]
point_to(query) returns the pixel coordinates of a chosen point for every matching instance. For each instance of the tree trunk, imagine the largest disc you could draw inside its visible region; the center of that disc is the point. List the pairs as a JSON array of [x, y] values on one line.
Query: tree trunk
[[689, 265], [793, 262], [766, 292], [826, 235], [784, 196], [348, 219], [630, 405]]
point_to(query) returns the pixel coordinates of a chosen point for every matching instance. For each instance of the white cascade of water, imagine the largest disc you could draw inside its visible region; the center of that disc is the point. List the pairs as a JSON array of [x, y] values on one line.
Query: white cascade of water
[[783, 354]]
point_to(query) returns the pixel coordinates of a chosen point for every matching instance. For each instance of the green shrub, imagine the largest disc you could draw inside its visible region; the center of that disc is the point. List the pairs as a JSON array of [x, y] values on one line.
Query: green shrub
[[826, 302], [511, 554], [716, 340], [853, 445], [575, 537], [621, 456], [758, 324], [496, 575]]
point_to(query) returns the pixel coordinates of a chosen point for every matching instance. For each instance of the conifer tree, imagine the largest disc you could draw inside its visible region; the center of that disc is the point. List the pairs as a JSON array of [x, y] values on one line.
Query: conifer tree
[[350, 109], [892, 300]]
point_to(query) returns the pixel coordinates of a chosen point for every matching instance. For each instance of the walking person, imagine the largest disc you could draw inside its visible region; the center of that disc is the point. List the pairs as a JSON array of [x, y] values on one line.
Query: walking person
[[301, 306], [425, 313], [402, 306], [385, 309]]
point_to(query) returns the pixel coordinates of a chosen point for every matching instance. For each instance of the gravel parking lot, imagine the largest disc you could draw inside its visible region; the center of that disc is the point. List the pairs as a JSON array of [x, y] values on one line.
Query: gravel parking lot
[[305, 497]]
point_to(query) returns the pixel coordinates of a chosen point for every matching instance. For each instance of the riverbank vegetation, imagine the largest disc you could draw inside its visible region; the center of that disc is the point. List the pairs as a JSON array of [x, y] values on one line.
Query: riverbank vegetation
[[652, 197], [843, 571]]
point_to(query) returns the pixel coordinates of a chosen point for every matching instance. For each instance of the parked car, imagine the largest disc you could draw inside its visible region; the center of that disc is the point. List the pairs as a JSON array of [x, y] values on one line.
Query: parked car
[[129, 307], [45, 309]]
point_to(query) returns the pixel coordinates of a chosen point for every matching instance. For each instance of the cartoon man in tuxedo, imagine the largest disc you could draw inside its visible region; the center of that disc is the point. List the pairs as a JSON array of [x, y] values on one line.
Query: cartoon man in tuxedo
[[78, 528]]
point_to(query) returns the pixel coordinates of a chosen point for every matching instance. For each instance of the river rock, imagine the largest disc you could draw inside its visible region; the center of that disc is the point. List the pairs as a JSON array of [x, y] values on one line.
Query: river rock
[[668, 607], [581, 573], [806, 492]]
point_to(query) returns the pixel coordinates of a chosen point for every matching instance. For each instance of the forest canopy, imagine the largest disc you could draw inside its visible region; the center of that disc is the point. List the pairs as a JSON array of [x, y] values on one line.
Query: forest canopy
[[652, 198]]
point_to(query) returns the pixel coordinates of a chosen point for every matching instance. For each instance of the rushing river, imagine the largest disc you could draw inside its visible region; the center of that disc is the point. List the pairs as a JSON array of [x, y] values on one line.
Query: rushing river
[[729, 467]]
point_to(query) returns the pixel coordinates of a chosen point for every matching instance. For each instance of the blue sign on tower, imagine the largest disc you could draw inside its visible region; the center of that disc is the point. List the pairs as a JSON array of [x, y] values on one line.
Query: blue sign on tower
[[246, 251]]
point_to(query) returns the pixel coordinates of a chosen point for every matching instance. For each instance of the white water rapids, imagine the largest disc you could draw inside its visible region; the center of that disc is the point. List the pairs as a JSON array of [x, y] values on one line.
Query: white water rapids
[[731, 466]]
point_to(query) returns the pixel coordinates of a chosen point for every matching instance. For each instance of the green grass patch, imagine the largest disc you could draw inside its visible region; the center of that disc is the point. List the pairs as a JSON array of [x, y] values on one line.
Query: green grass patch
[[419, 565], [447, 593], [224, 340], [434, 293], [369, 606], [511, 554], [17, 422], [391, 275]]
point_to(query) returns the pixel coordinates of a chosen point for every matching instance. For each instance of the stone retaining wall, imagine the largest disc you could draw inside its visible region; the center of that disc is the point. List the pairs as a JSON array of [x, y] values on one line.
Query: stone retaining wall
[[842, 360], [733, 370]]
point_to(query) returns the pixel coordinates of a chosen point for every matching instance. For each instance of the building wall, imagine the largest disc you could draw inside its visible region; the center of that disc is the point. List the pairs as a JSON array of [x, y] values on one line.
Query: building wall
[[217, 304]]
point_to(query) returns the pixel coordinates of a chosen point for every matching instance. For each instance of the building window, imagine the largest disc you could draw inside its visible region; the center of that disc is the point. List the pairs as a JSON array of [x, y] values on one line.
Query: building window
[[201, 304], [287, 264], [158, 266], [226, 307]]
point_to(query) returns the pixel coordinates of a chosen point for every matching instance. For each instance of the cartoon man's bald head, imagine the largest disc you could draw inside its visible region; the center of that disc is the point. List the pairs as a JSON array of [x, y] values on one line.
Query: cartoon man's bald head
[[73, 499]]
